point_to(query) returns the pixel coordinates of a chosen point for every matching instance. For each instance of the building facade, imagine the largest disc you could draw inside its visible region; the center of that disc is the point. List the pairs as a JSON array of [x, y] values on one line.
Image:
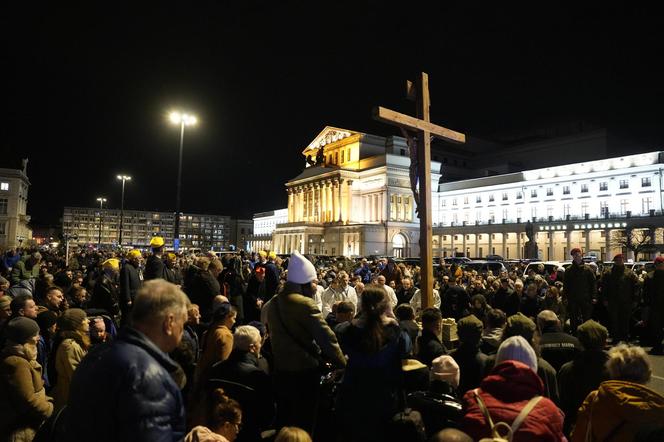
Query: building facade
[[264, 225], [356, 199], [197, 231], [14, 229]]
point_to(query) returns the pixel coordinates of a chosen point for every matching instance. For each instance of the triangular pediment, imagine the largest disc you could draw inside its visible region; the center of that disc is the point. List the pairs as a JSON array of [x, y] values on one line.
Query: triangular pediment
[[327, 136]]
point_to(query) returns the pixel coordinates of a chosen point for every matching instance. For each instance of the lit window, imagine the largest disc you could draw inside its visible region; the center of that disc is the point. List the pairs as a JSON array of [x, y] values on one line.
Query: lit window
[[645, 182], [624, 184], [584, 188], [4, 186], [533, 193], [549, 192], [603, 186], [565, 190]]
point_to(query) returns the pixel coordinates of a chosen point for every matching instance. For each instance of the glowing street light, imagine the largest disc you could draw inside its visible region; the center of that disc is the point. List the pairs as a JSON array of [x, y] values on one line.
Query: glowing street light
[[183, 119], [122, 178], [101, 200]]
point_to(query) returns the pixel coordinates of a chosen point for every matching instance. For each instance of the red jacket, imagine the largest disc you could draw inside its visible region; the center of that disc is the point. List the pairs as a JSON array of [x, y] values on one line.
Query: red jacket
[[505, 391]]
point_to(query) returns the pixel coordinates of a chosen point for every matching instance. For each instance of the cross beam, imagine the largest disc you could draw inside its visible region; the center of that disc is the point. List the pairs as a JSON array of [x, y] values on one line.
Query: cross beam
[[424, 129]]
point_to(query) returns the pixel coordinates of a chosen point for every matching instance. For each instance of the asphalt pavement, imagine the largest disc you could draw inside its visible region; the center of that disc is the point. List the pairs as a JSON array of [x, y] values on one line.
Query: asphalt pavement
[[657, 381]]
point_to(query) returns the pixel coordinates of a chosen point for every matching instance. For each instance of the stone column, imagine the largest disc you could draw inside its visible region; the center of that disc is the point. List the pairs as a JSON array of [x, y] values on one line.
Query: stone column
[[518, 245], [607, 239], [365, 208], [587, 241], [568, 244], [342, 200], [290, 205], [335, 204], [504, 245], [551, 257], [300, 209], [490, 251], [328, 201], [349, 200], [477, 245], [452, 244]]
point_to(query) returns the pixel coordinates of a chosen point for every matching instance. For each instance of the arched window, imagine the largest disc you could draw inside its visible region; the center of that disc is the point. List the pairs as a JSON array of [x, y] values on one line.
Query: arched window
[[398, 245]]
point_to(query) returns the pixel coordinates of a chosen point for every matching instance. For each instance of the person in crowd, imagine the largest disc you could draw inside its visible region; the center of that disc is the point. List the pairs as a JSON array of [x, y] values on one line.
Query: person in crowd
[[580, 289], [471, 360], [5, 310], [456, 302], [105, 294], [255, 294], [508, 389], [370, 391], [24, 405], [24, 305], [429, 344], [364, 272], [556, 346], [406, 317], [217, 343], [553, 302], [223, 420], [72, 341], [480, 308], [416, 300], [42, 283], [339, 290], [391, 295], [577, 378], [653, 295], [271, 276], [531, 303], [154, 264], [620, 287], [202, 286], [232, 285], [294, 324], [47, 322], [77, 297], [172, 271], [520, 325], [391, 272], [131, 279], [506, 299], [54, 300], [98, 333], [24, 287], [26, 268], [292, 434], [141, 400], [623, 404], [342, 311], [450, 435], [243, 368], [406, 291]]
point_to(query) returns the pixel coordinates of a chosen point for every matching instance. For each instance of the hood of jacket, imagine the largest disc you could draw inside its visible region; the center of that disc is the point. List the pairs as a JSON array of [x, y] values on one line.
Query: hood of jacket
[[512, 381]]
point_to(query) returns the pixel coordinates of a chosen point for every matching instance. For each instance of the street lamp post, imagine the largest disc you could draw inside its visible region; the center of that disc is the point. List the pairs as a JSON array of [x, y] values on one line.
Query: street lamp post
[[183, 120], [123, 178], [101, 201]]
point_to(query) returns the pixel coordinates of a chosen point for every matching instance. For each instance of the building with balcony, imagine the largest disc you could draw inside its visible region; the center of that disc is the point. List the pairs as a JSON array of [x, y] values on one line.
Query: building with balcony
[[14, 228], [197, 231]]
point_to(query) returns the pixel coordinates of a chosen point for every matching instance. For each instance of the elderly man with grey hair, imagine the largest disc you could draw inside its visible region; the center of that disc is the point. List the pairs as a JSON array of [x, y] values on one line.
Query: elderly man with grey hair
[[125, 390], [258, 408], [556, 347]]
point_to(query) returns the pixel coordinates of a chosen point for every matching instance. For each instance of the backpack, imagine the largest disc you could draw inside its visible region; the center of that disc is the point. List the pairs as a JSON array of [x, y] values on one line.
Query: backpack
[[509, 429]]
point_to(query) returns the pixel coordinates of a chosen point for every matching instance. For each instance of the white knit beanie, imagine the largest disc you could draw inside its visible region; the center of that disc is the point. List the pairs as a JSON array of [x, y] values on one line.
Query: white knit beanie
[[300, 269], [445, 368], [516, 348]]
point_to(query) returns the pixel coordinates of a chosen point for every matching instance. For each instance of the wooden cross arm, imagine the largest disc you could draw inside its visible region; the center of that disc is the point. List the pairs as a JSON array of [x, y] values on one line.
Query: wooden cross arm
[[407, 122]]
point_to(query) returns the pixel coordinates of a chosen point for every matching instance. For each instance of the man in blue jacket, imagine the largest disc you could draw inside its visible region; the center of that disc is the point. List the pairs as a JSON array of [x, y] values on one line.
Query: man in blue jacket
[[125, 390]]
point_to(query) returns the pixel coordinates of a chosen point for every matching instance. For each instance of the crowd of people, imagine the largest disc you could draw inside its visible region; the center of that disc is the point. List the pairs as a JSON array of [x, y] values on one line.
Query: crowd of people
[[130, 345]]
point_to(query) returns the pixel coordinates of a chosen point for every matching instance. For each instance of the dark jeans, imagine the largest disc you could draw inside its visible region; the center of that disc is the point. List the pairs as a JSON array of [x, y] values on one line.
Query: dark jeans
[[619, 315], [579, 312], [297, 399]]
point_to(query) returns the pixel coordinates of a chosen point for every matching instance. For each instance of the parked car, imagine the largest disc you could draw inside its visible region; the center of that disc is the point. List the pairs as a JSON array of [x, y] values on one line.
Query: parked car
[[641, 266], [449, 260], [549, 267], [482, 267]]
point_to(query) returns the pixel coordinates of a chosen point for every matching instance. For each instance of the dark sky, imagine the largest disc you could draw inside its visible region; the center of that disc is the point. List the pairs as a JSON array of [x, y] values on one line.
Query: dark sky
[[86, 91]]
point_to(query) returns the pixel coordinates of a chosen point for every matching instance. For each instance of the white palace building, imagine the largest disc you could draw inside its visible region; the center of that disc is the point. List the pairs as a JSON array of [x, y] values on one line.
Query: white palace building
[[358, 202]]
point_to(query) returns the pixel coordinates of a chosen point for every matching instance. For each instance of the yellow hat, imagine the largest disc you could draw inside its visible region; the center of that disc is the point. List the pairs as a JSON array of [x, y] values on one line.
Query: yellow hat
[[171, 255], [263, 253], [157, 241], [272, 255], [112, 263], [135, 253]]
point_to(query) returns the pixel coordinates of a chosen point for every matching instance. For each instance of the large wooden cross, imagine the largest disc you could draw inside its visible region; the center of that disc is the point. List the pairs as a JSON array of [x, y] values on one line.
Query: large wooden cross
[[421, 169]]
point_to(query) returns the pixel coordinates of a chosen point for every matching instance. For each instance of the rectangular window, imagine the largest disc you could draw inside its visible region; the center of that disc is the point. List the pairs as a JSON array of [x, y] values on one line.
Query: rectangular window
[[584, 209], [604, 208], [3, 228], [566, 209], [646, 204], [478, 199], [584, 188], [504, 196], [549, 211], [342, 156], [645, 182], [505, 214], [3, 206], [603, 186], [443, 203], [465, 200], [624, 206], [533, 193], [549, 192], [491, 198], [519, 195], [4, 186], [454, 202], [624, 184], [565, 190], [533, 212]]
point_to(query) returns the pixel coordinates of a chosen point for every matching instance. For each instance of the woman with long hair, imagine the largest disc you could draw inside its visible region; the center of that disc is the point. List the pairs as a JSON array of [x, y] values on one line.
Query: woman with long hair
[[371, 390], [223, 420], [71, 344]]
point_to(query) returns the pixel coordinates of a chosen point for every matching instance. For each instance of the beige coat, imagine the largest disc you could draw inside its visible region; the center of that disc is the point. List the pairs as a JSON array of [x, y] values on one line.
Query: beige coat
[[67, 358], [24, 405]]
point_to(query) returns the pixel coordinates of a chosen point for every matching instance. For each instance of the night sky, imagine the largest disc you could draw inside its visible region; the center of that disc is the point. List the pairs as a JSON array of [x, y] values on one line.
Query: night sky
[[86, 92]]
